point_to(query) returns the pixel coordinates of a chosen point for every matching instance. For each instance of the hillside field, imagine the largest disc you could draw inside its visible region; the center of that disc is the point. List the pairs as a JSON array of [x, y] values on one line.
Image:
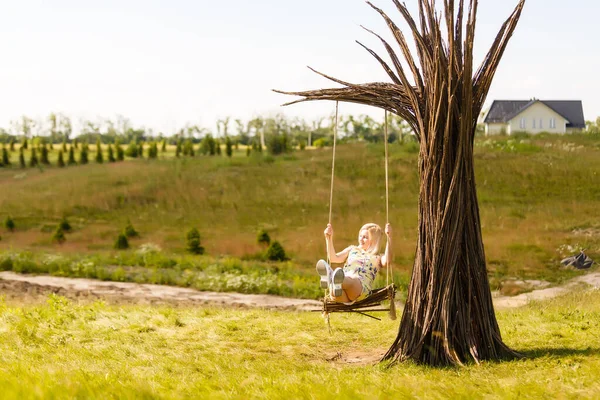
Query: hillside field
[[538, 199]]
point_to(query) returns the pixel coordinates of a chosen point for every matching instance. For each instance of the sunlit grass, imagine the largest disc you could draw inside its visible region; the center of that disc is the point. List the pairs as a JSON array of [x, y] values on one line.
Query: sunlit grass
[[67, 350]]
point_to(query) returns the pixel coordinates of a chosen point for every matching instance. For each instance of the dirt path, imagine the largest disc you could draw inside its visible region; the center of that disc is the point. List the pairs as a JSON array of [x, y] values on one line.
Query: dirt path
[[30, 287]]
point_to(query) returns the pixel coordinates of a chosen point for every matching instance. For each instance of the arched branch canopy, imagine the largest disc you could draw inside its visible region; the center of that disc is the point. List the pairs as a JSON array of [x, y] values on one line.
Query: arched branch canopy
[[443, 65]]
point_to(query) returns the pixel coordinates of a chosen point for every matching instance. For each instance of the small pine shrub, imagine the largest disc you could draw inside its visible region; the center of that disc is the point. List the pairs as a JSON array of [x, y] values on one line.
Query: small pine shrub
[[71, 160], [141, 150], [99, 156], [33, 161], [5, 156], [218, 147], [120, 152], [9, 224], [59, 236], [248, 151], [163, 148], [76, 143], [12, 144], [302, 145], [178, 150], [228, 147], [25, 144], [111, 155], [44, 155], [153, 151], [130, 231], [193, 242], [83, 155], [275, 252], [132, 150], [121, 243], [64, 146], [65, 225], [61, 161], [263, 238]]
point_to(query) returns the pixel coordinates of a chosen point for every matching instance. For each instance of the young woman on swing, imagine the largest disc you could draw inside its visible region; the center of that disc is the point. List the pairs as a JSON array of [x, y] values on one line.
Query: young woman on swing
[[354, 281]]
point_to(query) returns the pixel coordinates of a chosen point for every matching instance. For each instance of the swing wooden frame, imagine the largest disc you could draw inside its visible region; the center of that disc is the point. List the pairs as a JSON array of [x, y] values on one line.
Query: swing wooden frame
[[377, 296]]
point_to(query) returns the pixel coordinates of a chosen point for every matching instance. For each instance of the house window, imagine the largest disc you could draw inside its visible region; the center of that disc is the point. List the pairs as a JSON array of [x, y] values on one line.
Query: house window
[[541, 124], [552, 123], [522, 123], [533, 123]]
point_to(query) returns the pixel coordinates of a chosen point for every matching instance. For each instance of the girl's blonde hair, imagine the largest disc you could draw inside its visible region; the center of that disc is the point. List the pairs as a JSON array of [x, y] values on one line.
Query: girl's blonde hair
[[375, 233]]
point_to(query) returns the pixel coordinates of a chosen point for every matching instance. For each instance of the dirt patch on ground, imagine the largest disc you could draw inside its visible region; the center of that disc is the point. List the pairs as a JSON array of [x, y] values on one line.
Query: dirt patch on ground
[[37, 288], [32, 288]]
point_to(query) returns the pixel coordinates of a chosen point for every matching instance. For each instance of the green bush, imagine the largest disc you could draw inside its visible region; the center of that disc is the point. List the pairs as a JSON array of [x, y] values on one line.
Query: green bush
[[5, 157], [59, 236], [132, 150], [323, 142], [111, 154], [275, 252], [33, 161], [99, 156], [228, 147], [120, 152], [121, 243], [9, 224], [278, 144], [71, 160], [44, 155], [61, 160], [83, 155], [65, 225], [263, 237], [130, 231], [208, 145], [193, 242]]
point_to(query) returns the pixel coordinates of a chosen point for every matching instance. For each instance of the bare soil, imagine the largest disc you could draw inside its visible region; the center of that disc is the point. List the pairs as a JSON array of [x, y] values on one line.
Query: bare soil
[[32, 288]]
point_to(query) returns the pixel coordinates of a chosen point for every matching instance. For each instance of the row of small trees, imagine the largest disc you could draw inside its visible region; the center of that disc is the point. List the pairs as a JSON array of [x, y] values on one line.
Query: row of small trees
[[274, 250]]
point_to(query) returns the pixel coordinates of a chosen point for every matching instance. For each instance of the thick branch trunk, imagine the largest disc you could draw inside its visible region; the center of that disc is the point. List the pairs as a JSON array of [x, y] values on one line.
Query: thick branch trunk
[[449, 316]]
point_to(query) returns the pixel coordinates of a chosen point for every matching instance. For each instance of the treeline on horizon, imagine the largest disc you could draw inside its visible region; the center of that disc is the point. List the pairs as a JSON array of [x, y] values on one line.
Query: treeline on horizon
[[58, 128]]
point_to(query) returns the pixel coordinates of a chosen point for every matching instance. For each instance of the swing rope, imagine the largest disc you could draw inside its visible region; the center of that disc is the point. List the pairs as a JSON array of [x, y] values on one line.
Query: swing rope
[[332, 172], [387, 194]]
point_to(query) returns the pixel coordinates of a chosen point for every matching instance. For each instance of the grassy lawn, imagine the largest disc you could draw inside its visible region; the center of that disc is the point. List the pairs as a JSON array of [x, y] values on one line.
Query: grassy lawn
[[60, 349]]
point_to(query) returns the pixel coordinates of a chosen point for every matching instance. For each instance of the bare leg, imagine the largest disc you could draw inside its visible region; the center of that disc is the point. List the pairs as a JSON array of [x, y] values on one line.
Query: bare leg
[[352, 288]]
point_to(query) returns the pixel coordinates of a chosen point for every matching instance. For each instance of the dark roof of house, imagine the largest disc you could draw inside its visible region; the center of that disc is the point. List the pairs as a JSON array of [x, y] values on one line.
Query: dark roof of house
[[504, 110]]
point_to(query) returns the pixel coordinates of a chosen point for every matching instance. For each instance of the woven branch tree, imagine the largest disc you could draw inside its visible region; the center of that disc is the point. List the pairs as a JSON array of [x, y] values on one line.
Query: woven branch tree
[[449, 317]]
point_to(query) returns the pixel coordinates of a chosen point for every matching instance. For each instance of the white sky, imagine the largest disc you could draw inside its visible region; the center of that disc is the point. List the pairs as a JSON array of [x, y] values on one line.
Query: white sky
[[165, 63]]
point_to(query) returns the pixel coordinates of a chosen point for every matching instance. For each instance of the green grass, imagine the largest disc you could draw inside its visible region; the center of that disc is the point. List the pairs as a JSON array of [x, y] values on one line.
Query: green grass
[[70, 350], [536, 194]]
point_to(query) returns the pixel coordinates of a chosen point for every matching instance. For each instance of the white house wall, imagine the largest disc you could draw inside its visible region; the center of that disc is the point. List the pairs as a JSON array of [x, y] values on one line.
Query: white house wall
[[540, 113], [496, 129]]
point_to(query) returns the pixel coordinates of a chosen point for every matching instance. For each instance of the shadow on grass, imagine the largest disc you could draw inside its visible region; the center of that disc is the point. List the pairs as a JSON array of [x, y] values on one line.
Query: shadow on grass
[[558, 352]]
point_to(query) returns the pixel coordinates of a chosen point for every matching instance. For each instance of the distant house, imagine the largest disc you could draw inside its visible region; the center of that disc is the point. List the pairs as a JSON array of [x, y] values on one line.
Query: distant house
[[534, 116]]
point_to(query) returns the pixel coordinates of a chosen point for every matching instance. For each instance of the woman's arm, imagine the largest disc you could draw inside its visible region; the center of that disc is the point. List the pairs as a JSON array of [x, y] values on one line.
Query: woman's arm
[[388, 253], [333, 256]]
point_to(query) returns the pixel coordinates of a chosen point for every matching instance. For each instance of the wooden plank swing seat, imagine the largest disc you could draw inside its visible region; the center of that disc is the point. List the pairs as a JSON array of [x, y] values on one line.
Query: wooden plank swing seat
[[375, 299]]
